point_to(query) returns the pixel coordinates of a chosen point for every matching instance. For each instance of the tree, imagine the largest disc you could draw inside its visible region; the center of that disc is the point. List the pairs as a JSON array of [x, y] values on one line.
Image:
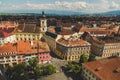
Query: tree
[[92, 57], [48, 70], [70, 66], [17, 72], [35, 68], [9, 72], [83, 58], [75, 68]]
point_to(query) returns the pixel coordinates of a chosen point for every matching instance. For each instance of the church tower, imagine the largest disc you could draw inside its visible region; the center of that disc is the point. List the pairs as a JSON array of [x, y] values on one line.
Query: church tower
[[43, 23]]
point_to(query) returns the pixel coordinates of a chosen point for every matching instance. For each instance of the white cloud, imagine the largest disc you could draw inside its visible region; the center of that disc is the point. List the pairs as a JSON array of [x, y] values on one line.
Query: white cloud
[[0, 2], [75, 5], [64, 5], [102, 6], [115, 5]]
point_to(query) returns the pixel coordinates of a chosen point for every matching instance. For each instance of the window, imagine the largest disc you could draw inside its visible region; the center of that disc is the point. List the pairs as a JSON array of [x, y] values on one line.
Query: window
[[86, 70], [90, 73], [42, 22], [7, 60], [1, 58]]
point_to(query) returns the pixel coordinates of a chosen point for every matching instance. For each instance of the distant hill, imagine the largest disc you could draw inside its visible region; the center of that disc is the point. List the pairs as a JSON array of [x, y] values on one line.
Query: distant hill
[[117, 12], [49, 12], [64, 12], [56, 12]]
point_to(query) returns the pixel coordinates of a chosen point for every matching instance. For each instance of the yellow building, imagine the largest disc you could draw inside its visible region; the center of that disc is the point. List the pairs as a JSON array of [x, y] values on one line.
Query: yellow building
[[28, 36], [71, 49]]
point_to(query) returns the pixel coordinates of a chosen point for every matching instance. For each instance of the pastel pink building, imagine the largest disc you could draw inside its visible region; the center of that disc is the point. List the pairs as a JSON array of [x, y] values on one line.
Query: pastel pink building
[[43, 53], [44, 57]]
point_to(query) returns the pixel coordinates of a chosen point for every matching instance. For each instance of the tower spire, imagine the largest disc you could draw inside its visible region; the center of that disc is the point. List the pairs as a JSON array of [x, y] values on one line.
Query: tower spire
[[43, 14]]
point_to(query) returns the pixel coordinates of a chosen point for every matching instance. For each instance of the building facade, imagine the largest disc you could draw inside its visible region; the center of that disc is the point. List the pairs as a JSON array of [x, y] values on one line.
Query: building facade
[[22, 51], [105, 47], [7, 39], [20, 36], [52, 37], [44, 57], [72, 49], [28, 36]]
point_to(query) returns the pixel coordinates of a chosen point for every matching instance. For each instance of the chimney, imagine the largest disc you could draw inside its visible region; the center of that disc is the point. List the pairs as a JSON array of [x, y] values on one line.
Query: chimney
[[31, 43]]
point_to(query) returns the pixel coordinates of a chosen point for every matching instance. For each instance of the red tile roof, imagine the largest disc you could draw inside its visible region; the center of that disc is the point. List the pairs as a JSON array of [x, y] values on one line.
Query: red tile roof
[[64, 24], [67, 32], [8, 24], [78, 26], [73, 42], [6, 32], [52, 29], [31, 47], [106, 25], [105, 69], [25, 47], [96, 30], [6, 48]]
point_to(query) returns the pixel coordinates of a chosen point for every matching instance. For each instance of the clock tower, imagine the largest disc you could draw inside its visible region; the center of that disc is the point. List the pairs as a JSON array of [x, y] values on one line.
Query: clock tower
[[43, 23]]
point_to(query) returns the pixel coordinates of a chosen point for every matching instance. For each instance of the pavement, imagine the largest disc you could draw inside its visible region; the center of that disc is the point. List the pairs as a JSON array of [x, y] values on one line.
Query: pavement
[[55, 76], [59, 75], [58, 63]]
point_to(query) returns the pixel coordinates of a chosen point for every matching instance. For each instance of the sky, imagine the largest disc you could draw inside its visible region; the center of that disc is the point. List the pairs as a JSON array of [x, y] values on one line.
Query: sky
[[89, 6]]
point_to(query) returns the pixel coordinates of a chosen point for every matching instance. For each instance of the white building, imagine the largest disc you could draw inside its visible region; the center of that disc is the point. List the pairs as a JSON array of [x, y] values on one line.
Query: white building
[[8, 39]]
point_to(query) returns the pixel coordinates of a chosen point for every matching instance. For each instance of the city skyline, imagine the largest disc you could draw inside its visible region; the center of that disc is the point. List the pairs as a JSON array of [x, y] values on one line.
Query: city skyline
[[88, 6]]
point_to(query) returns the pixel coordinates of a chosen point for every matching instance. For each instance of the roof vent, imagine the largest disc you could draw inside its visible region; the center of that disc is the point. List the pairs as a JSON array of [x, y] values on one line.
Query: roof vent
[[98, 69]]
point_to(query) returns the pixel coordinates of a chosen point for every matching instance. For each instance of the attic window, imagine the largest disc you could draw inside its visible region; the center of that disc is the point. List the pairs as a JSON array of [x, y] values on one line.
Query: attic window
[[117, 70]]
